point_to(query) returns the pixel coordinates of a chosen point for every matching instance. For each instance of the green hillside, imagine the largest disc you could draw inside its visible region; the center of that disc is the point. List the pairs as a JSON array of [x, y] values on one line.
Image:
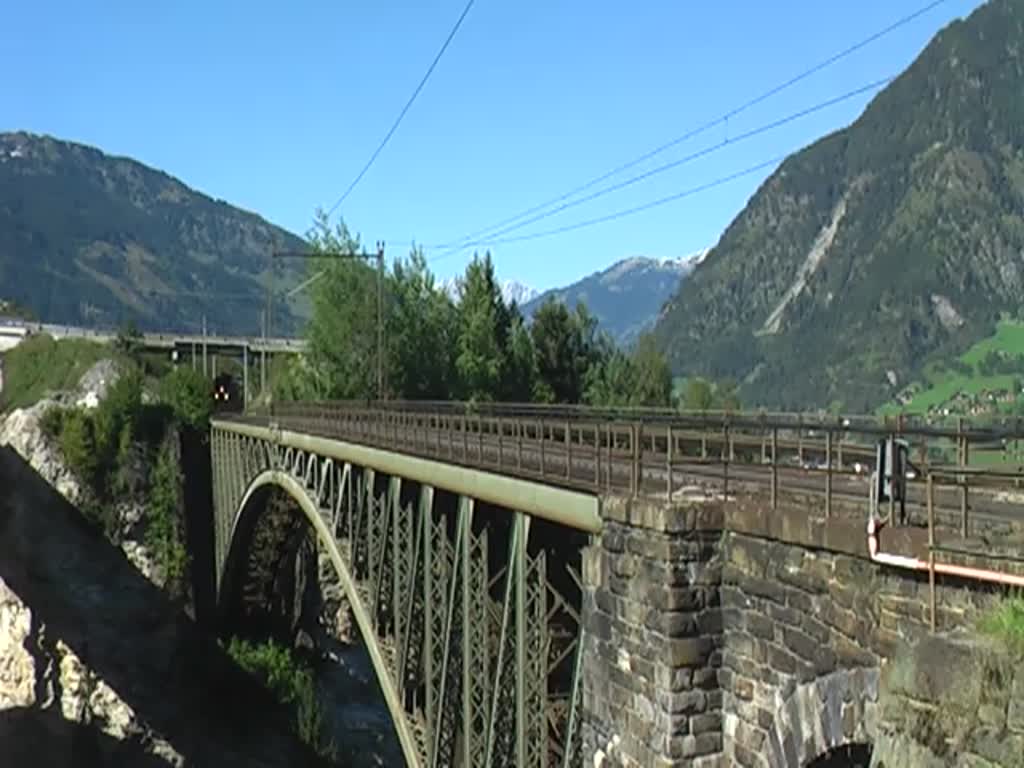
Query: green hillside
[[91, 239], [879, 248], [986, 379]]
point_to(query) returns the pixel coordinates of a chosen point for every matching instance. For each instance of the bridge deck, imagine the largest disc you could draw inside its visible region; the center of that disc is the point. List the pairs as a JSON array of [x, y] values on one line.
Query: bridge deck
[[600, 455]]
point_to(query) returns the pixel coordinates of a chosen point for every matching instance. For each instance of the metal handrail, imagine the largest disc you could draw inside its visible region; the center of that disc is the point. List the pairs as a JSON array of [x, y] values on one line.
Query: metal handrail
[[580, 448], [904, 424]]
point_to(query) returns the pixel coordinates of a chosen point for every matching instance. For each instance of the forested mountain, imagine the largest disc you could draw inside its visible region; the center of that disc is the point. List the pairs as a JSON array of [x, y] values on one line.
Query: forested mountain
[[626, 297], [91, 239], [898, 239]]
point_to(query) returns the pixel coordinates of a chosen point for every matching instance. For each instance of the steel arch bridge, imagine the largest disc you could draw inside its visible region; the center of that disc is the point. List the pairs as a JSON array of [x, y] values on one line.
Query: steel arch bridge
[[464, 585]]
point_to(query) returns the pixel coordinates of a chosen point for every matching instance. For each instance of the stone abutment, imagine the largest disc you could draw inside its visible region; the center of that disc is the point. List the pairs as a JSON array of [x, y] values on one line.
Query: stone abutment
[[729, 635]]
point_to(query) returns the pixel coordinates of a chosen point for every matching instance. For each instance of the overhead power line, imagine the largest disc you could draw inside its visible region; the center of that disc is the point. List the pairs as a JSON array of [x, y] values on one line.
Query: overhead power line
[[494, 237], [463, 242], [645, 206], [405, 109], [1008, 58]]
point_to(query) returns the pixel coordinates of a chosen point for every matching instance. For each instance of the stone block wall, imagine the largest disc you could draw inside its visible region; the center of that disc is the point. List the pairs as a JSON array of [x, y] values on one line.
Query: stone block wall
[[728, 635], [799, 668], [808, 620], [653, 637], [950, 701]]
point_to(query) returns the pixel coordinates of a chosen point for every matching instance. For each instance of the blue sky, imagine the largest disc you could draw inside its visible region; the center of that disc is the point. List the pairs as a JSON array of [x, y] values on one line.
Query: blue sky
[[276, 106]]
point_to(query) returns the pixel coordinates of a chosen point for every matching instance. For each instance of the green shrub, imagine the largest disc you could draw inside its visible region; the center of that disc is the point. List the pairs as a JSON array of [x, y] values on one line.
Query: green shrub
[[101, 449], [187, 392], [78, 444], [292, 683], [164, 534], [119, 410], [274, 665], [52, 421], [1005, 621], [311, 724]]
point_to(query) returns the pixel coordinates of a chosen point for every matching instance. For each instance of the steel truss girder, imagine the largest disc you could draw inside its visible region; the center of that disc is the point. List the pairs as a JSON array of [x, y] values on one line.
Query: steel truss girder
[[464, 668]]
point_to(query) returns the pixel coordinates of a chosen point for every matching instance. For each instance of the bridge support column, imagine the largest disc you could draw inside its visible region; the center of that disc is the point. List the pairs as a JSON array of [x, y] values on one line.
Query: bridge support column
[[653, 632]]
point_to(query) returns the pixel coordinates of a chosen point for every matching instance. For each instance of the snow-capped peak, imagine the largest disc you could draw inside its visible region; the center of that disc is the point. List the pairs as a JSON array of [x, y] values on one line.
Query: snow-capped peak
[[511, 290]]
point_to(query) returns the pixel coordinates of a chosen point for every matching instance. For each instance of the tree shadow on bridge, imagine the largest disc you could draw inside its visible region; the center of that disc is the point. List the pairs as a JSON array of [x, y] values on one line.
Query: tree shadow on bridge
[[173, 676]]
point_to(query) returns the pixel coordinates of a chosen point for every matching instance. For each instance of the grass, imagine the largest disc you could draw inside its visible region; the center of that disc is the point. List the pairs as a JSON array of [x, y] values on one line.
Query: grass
[[1005, 621], [940, 386], [995, 458], [292, 682], [41, 364]]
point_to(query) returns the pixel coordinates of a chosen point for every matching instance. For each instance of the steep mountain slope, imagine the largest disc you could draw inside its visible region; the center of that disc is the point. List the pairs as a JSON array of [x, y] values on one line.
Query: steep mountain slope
[[626, 297], [90, 239], [897, 239]]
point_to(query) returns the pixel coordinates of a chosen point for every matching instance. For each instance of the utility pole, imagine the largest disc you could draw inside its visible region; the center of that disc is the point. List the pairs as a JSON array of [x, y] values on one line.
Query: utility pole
[[245, 374], [263, 354], [205, 370], [380, 319], [379, 257], [266, 329]]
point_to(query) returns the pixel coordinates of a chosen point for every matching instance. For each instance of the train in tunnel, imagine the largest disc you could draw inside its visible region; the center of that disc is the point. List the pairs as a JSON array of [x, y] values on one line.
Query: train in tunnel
[[227, 395]]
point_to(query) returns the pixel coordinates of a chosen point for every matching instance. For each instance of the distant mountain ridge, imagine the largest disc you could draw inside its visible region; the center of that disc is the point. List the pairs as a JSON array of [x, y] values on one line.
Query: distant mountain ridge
[[511, 290], [897, 240], [93, 239], [625, 297]]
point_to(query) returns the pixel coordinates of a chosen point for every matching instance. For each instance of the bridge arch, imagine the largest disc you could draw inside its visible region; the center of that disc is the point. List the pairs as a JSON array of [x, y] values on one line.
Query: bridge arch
[[248, 508], [818, 717]]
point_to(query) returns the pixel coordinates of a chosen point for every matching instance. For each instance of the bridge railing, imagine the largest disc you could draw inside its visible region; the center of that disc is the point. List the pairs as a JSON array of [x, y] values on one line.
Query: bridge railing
[[983, 426], [782, 456], [996, 562]]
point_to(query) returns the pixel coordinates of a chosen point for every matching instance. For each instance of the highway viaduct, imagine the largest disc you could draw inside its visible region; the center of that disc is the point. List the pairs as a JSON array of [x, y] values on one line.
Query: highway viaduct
[[542, 587], [201, 351]]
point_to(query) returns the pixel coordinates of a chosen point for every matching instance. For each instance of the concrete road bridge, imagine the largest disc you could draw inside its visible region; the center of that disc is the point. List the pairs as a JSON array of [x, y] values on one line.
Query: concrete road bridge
[[542, 586], [12, 332]]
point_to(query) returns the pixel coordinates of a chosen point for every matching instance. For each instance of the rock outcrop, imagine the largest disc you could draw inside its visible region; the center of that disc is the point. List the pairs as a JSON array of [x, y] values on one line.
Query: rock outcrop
[[951, 701], [98, 667], [42, 673], [22, 431]]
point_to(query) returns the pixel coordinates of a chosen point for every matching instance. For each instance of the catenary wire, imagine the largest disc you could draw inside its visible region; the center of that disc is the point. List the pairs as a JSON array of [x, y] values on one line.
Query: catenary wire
[[644, 206], [461, 243], [995, 65], [497, 237], [405, 109], [693, 156]]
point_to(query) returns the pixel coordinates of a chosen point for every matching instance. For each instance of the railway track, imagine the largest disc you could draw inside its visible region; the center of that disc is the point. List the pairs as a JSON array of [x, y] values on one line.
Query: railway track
[[584, 458]]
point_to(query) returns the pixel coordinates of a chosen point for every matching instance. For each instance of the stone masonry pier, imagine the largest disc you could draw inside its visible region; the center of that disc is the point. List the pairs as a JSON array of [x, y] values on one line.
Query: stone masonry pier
[[726, 634]]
